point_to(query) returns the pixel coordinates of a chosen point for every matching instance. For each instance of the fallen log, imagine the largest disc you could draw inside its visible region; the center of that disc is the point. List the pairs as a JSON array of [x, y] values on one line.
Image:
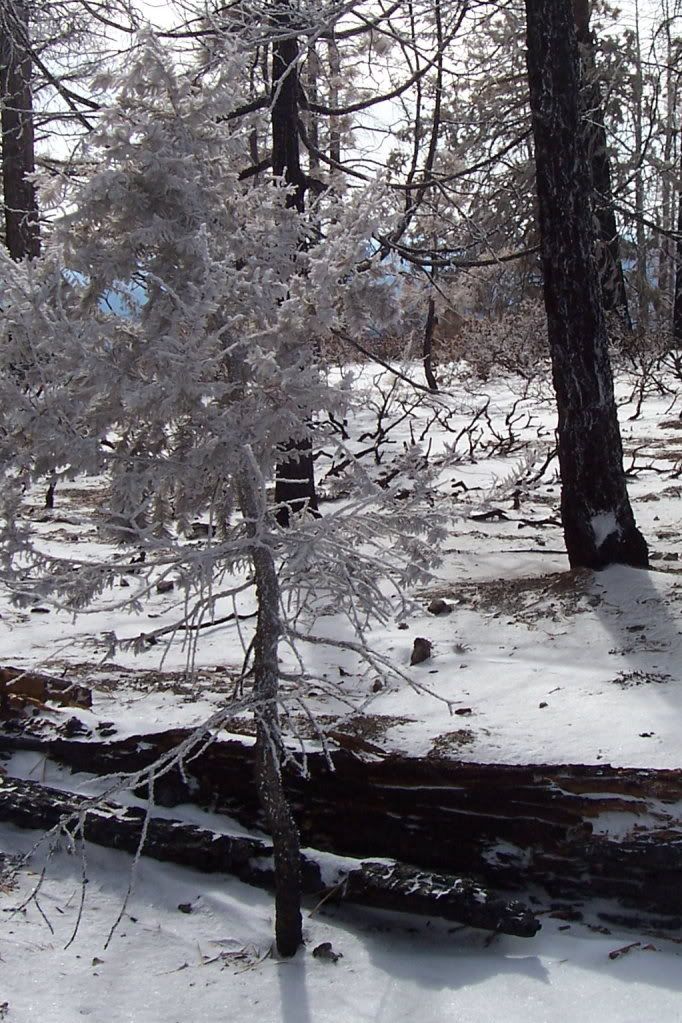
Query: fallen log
[[508, 826], [394, 886], [19, 686]]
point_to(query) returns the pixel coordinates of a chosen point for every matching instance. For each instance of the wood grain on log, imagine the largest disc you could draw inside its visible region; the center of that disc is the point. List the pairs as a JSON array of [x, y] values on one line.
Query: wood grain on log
[[393, 886], [37, 687], [509, 826]]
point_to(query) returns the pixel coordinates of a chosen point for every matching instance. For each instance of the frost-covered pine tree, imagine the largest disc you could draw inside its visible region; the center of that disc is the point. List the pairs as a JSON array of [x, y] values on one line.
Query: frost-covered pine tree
[[184, 404]]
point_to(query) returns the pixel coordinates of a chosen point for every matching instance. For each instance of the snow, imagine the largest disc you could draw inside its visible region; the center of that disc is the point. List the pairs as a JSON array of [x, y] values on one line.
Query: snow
[[545, 665], [164, 965], [603, 526]]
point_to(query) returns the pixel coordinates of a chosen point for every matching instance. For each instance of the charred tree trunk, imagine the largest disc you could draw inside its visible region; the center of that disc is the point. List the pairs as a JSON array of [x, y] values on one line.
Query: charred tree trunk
[[269, 749], [22, 224], [427, 346], [22, 231], [295, 478], [614, 296], [677, 302], [334, 82], [599, 526]]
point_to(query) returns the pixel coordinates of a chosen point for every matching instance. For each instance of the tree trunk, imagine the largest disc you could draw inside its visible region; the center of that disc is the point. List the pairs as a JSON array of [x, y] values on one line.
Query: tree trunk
[[295, 482], [677, 301], [295, 478], [334, 81], [22, 231], [427, 346], [666, 250], [641, 270], [285, 840], [612, 280], [312, 120], [599, 526]]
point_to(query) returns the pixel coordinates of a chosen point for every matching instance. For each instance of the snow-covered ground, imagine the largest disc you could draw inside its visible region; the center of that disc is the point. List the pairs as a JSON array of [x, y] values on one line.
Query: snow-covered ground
[[542, 665], [211, 960]]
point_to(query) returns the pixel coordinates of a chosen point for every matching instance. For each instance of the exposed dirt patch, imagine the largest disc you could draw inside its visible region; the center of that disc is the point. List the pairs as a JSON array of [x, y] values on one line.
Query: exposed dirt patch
[[447, 743], [8, 874], [368, 726], [109, 678], [627, 679], [557, 595], [360, 729], [84, 497]]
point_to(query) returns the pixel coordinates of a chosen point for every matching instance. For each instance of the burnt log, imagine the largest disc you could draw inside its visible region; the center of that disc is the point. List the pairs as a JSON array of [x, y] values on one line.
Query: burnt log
[[393, 886], [18, 687], [507, 826]]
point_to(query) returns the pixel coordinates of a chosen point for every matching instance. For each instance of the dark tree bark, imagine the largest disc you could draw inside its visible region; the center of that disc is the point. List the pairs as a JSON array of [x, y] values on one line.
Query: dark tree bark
[[677, 303], [334, 78], [610, 264], [427, 346], [269, 749], [599, 526], [20, 203], [295, 478], [22, 231]]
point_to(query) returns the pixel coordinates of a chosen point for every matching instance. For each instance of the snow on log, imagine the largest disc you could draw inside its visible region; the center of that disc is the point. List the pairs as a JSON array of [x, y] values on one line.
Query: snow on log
[[508, 826], [393, 886]]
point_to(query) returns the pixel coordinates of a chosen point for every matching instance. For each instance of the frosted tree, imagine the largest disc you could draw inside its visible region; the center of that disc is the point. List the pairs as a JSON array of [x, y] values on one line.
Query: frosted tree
[[184, 405]]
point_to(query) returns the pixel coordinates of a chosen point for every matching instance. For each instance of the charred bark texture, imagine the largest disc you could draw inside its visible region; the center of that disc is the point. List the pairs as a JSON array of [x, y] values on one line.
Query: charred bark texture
[[269, 750], [599, 526], [295, 482], [506, 826], [286, 158], [610, 264], [677, 303], [22, 230], [427, 347], [295, 477], [393, 886]]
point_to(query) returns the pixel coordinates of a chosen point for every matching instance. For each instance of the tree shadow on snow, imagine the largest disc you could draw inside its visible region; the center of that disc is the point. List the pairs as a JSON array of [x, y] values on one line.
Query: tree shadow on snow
[[642, 612], [292, 977]]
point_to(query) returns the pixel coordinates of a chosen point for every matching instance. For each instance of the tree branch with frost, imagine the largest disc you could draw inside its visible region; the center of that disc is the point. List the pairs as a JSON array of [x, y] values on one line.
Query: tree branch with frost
[[196, 394]]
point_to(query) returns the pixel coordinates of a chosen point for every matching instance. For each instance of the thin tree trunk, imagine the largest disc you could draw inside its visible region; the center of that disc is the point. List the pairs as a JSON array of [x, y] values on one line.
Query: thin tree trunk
[[427, 346], [677, 303], [312, 121], [269, 750], [334, 80], [20, 203], [22, 231], [612, 280], [666, 250], [599, 526], [641, 275], [295, 478]]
